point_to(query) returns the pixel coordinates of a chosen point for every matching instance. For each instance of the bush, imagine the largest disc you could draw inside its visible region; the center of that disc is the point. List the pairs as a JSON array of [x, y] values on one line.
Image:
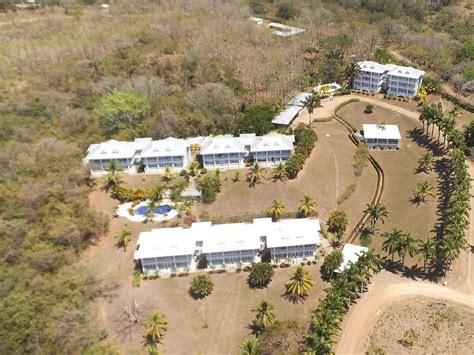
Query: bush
[[203, 171], [331, 264], [126, 194], [338, 222], [361, 157], [369, 108], [286, 11], [260, 275], [256, 119], [209, 186], [137, 278], [305, 139], [183, 173], [201, 286], [347, 193]]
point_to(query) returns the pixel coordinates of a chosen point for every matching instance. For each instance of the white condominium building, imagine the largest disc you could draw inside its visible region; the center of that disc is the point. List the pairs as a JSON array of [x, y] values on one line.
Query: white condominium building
[[170, 152], [204, 245], [396, 80]]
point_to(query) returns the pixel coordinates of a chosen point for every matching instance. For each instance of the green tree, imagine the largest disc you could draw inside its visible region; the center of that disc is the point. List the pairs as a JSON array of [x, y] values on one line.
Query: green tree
[[331, 263], [286, 11], [155, 326], [299, 284], [426, 162], [307, 206], [337, 223], [112, 177], [249, 347], [102, 349], [351, 72], [392, 241], [168, 174], [280, 173], [260, 275], [201, 286], [276, 209], [256, 119], [255, 174], [150, 211], [469, 134], [376, 211], [265, 316], [123, 238], [406, 247], [122, 110], [209, 186], [193, 168], [422, 191], [156, 194], [427, 250], [311, 102]]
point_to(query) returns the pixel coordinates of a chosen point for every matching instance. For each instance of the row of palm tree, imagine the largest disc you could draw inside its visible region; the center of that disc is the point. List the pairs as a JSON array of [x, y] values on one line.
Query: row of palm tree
[[307, 208], [449, 247], [403, 244], [327, 318]]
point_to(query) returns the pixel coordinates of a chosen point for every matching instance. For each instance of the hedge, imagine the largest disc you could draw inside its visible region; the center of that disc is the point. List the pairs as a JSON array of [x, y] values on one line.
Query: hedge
[[305, 139]]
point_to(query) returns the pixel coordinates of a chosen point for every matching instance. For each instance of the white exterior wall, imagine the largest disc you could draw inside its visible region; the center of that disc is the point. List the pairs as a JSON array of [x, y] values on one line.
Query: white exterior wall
[[402, 86], [223, 161], [231, 258], [158, 164], [270, 158], [369, 81], [166, 263], [99, 167], [382, 143], [298, 252]]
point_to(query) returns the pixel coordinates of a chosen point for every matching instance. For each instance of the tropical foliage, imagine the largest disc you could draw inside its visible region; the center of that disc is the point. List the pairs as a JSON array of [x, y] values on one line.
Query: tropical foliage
[[260, 275], [422, 191], [311, 102], [307, 206], [276, 210], [155, 327], [123, 238], [337, 223], [331, 263], [305, 139], [264, 316], [255, 174], [280, 173], [209, 186], [201, 286], [426, 162], [300, 283], [376, 212]]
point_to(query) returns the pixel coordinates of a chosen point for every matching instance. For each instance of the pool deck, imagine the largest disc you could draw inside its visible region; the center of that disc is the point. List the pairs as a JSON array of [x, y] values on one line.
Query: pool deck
[[122, 211]]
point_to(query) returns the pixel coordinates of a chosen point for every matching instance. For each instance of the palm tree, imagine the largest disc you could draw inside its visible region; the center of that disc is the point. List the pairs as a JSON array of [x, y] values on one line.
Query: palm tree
[[276, 210], [422, 191], [168, 174], [455, 113], [150, 211], [447, 127], [299, 284], [155, 326], [194, 168], [308, 206], [370, 262], [392, 241], [427, 250], [113, 174], [280, 173], [426, 162], [255, 175], [376, 211], [311, 102], [123, 238], [249, 347], [156, 194], [351, 72], [265, 316], [406, 246]]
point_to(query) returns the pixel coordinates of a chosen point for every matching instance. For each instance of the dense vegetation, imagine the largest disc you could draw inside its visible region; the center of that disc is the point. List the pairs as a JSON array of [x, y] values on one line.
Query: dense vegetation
[[74, 75]]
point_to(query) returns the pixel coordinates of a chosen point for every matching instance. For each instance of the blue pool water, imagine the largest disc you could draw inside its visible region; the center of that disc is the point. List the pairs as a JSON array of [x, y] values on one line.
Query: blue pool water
[[159, 210]]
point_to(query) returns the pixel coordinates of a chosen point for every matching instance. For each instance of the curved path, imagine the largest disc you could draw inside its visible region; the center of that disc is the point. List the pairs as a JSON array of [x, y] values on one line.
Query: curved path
[[387, 288]]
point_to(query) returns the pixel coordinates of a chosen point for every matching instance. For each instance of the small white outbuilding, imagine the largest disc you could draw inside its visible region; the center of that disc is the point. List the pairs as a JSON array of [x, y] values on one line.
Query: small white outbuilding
[[380, 136], [351, 254]]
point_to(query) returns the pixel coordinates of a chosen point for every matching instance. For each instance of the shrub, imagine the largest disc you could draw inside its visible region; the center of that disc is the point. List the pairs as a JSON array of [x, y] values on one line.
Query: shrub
[[209, 186], [286, 11], [369, 108], [183, 173], [305, 139], [203, 171], [126, 194], [338, 222], [137, 278], [201, 286], [331, 264], [257, 119], [260, 275], [347, 193], [361, 157]]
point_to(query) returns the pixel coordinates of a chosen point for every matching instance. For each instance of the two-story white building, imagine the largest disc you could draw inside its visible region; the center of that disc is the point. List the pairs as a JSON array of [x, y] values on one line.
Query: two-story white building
[[404, 81], [126, 154], [272, 149], [170, 152], [393, 79], [223, 152], [204, 245]]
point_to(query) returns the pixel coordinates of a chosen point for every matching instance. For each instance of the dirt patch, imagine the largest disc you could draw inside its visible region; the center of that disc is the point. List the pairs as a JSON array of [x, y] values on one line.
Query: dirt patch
[[423, 325]]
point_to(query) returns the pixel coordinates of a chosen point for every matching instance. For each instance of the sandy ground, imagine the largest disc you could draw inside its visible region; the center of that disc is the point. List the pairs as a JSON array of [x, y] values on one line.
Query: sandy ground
[[439, 327]]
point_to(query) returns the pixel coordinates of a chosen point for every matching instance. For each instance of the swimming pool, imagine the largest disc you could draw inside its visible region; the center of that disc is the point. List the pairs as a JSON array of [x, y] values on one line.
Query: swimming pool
[[162, 209]]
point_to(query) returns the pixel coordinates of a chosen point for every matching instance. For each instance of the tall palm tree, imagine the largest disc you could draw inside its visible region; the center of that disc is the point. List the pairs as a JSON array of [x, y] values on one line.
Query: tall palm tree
[[311, 102], [427, 250], [156, 194], [422, 191], [426, 162], [150, 211], [300, 283], [280, 173], [447, 127], [113, 174], [406, 247], [376, 211], [276, 209], [392, 242], [249, 347], [155, 327], [351, 72], [193, 168], [455, 113], [264, 317], [255, 174], [308, 206], [370, 262], [123, 238]]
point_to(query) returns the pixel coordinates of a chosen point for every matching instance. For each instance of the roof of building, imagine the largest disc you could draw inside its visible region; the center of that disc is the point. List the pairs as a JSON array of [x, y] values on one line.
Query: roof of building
[[166, 147], [286, 30], [273, 142], [226, 237], [374, 131], [373, 67], [407, 72], [351, 254], [222, 144], [299, 99], [287, 115], [113, 149]]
